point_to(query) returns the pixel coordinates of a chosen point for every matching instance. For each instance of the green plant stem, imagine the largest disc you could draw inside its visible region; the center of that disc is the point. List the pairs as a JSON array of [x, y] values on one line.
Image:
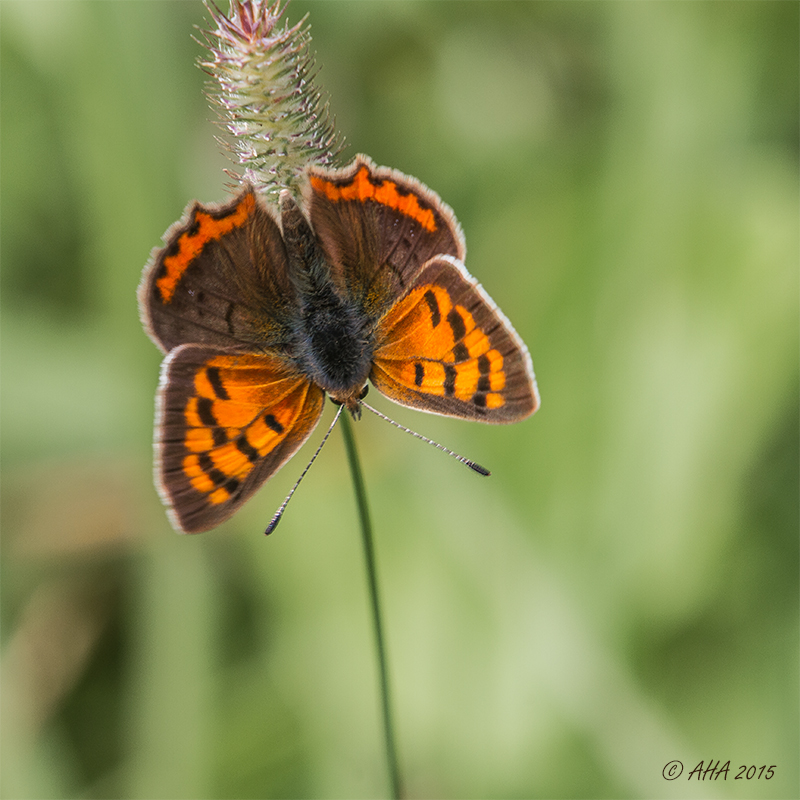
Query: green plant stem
[[372, 577]]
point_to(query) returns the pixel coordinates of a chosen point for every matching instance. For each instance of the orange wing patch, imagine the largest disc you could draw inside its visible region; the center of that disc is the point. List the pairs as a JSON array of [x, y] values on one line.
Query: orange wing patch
[[385, 193], [227, 427], [434, 347], [203, 229]]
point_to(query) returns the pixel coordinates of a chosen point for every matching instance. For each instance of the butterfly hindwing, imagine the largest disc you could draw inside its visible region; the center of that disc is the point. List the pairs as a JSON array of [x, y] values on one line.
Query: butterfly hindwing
[[446, 348], [226, 422], [220, 268], [377, 228]]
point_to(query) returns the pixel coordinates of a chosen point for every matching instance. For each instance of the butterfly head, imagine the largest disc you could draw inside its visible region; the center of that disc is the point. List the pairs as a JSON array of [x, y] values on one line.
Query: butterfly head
[[351, 400]]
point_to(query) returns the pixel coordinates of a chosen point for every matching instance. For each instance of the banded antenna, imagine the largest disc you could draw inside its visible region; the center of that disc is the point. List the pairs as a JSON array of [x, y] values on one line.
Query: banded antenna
[[465, 461], [279, 513]]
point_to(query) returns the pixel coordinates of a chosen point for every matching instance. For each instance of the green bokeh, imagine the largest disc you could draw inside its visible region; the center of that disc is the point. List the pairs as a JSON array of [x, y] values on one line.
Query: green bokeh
[[621, 593]]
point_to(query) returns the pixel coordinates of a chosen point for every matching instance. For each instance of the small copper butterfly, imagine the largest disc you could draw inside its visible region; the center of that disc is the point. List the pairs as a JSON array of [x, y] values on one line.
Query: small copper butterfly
[[260, 317]]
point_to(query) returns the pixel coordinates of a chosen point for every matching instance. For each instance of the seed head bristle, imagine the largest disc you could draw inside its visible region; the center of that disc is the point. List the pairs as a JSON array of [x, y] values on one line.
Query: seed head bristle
[[262, 87]]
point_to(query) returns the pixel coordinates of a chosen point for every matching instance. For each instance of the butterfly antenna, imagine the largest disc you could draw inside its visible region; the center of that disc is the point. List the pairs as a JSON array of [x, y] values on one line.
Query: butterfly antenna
[[279, 513], [471, 464]]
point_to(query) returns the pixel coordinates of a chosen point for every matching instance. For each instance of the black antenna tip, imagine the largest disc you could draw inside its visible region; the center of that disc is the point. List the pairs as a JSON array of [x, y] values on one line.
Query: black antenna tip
[[273, 524], [478, 468]]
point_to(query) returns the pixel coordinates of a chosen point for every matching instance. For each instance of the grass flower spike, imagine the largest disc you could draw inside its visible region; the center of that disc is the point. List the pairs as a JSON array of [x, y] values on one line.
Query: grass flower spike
[[263, 90]]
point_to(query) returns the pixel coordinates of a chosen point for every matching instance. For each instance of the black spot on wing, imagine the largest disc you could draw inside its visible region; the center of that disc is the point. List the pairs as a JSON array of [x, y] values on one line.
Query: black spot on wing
[[216, 383], [205, 411], [449, 380], [460, 352], [484, 367], [246, 449], [272, 423], [433, 305], [217, 477], [457, 324]]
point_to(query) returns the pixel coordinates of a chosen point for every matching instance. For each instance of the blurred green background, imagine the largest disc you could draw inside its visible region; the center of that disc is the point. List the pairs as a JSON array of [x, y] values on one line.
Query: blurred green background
[[621, 593]]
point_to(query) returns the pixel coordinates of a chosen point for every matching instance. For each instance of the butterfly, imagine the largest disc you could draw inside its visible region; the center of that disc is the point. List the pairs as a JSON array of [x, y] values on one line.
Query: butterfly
[[261, 315]]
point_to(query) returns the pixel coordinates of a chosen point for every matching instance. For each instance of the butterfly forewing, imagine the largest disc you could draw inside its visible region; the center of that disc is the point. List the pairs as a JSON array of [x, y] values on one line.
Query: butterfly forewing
[[446, 348], [221, 267], [227, 421], [377, 228]]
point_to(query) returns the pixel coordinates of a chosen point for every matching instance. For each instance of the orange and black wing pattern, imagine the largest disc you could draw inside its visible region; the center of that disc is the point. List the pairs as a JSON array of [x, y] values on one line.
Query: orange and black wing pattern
[[220, 268], [378, 228], [446, 348], [226, 422], [260, 318]]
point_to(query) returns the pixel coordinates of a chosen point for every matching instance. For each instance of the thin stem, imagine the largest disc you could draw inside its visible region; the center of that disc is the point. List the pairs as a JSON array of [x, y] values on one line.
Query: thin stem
[[372, 576]]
